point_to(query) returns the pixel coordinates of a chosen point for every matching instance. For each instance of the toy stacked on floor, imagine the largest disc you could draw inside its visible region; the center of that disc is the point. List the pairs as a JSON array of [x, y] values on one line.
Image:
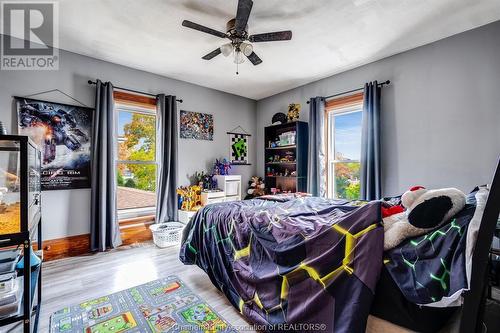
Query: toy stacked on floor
[[20, 219]]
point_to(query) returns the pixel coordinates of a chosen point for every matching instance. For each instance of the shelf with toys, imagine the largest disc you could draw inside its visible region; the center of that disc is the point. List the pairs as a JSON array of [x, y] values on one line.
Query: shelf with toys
[[286, 157]]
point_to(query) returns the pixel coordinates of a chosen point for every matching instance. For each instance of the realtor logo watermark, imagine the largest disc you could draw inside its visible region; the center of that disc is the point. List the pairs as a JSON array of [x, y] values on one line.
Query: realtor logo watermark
[[30, 35]]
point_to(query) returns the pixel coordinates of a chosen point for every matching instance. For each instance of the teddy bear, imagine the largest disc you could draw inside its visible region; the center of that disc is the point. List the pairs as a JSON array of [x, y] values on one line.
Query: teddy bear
[[256, 188], [421, 210]]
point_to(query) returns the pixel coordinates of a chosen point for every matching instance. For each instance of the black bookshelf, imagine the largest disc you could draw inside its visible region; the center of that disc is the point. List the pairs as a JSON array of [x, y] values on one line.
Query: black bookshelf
[[27, 171], [286, 165]]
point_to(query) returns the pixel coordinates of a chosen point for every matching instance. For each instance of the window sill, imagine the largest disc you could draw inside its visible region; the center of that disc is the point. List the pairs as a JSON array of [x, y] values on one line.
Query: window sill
[[134, 221]]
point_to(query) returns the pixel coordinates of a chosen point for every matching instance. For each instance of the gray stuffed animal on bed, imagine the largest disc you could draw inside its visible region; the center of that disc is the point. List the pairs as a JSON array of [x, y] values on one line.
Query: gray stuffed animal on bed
[[425, 210]]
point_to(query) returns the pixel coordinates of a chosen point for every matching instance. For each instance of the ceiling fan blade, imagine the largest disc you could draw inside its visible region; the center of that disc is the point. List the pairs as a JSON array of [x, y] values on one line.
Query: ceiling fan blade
[[254, 59], [242, 14], [202, 28], [271, 36], [212, 54]]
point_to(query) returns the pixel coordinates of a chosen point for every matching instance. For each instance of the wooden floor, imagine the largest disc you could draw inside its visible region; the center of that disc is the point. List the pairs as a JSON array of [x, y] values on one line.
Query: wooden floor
[[73, 280]]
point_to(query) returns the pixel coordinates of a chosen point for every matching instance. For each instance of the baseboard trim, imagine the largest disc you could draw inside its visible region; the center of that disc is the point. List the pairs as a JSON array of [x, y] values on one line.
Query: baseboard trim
[[80, 244], [66, 247]]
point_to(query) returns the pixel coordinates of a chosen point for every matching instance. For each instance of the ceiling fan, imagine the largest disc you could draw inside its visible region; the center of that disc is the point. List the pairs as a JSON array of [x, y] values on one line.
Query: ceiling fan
[[237, 33]]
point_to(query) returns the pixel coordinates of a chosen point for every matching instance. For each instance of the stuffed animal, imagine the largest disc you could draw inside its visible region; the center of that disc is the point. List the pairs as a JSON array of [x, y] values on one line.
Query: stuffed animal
[[424, 211], [256, 188]]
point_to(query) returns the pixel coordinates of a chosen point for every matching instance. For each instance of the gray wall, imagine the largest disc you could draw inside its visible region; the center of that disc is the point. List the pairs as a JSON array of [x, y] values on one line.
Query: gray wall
[[440, 115], [67, 212]]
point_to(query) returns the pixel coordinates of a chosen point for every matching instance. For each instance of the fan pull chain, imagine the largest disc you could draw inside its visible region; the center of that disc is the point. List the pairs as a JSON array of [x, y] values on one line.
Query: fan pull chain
[[237, 68]]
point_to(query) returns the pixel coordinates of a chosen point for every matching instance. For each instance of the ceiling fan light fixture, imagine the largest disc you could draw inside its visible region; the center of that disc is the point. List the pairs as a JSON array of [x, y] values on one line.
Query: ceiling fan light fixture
[[226, 49], [237, 32], [239, 58], [246, 48]]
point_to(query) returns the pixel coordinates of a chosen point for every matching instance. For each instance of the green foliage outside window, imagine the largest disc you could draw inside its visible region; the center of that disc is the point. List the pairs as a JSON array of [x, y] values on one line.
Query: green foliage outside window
[[138, 144], [347, 185]]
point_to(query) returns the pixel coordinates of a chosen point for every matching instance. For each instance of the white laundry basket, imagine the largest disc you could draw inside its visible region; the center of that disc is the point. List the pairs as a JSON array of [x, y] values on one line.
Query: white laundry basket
[[167, 234]]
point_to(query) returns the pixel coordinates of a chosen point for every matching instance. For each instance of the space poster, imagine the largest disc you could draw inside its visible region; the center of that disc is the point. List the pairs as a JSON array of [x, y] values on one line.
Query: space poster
[[63, 133]]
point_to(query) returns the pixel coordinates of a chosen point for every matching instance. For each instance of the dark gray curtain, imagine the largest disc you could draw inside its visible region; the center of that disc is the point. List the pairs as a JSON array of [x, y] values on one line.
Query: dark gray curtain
[[370, 143], [166, 196], [104, 228], [316, 168]]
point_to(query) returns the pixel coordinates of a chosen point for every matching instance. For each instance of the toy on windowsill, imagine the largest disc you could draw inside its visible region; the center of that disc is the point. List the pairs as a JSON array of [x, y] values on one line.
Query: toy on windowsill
[[221, 167], [189, 197], [256, 188]]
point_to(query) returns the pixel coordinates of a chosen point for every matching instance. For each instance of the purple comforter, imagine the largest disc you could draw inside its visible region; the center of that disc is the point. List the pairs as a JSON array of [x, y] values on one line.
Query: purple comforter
[[307, 265]]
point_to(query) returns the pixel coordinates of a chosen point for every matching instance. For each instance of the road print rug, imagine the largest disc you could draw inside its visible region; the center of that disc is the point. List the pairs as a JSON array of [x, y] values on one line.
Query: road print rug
[[163, 305]]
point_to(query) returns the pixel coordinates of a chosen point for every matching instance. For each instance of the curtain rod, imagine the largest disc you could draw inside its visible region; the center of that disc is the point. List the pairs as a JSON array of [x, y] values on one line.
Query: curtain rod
[[132, 90], [381, 84]]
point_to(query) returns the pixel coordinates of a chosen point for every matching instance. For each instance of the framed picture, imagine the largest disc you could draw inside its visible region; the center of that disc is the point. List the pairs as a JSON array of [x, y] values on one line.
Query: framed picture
[[63, 133], [196, 125]]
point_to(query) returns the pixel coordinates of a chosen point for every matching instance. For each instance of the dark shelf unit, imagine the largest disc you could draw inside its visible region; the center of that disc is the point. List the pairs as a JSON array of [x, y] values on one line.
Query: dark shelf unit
[[298, 182], [28, 173]]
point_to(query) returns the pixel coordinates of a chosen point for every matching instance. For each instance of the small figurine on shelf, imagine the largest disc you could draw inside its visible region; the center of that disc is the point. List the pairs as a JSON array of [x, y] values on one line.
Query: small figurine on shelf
[[209, 182], [222, 167], [293, 112], [290, 156]]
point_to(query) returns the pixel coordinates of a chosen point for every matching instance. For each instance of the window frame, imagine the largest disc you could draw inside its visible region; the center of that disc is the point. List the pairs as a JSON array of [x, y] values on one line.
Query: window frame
[[339, 106], [135, 104]]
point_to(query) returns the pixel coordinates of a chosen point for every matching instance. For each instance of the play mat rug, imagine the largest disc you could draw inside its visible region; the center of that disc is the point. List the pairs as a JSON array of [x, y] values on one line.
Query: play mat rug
[[164, 305]]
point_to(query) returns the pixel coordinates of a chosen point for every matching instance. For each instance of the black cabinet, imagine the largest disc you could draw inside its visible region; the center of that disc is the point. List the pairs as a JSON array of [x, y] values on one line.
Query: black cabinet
[[20, 221], [286, 154]]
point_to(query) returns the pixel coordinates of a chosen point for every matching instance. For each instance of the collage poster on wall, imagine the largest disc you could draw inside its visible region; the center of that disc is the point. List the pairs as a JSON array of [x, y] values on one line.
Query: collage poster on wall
[[196, 125], [63, 133]]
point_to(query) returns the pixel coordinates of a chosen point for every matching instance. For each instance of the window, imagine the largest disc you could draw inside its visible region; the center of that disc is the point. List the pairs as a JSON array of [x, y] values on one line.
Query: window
[[136, 158], [344, 121]]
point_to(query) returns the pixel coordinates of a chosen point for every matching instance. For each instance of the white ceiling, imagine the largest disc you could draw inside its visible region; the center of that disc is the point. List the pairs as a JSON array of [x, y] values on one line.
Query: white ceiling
[[329, 36]]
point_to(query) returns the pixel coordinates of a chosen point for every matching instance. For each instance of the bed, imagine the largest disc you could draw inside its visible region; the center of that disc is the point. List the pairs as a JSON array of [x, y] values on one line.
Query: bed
[[310, 264]]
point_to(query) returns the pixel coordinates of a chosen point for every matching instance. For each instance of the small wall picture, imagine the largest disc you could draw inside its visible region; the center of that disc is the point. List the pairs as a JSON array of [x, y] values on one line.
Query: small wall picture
[[238, 148], [293, 112], [196, 125]]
